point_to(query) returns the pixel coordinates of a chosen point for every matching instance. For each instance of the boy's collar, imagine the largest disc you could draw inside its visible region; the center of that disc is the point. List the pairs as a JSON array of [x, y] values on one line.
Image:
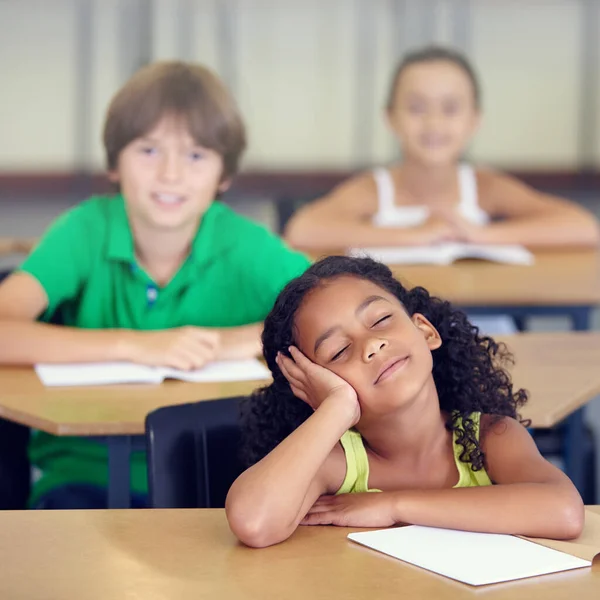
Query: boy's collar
[[120, 238], [213, 237], [207, 244]]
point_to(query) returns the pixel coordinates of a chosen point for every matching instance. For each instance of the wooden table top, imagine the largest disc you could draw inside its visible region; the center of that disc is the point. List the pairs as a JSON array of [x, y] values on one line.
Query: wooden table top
[[561, 371], [557, 278], [99, 410], [191, 554]]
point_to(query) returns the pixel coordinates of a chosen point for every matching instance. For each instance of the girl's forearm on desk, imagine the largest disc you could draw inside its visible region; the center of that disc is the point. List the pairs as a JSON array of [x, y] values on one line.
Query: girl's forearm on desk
[[532, 509], [578, 230], [266, 503], [333, 233]]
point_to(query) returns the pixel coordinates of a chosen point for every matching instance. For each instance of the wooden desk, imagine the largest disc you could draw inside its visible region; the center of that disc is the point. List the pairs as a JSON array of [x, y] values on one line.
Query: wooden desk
[[109, 410], [115, 412], [560, 370], [562, 373], [191, 554], [558, 283], [556, 279]]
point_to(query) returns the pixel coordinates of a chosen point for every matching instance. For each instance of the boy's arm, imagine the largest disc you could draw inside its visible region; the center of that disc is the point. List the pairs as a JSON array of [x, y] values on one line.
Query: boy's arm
[[27, 342], [240, 342], [530, 496], [24, 341], [531, 218]]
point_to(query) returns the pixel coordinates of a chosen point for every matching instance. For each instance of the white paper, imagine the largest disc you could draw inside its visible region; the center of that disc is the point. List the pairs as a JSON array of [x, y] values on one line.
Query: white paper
[[473, 558], [96, 374], [225, 370], [123, 372], [445, 254]]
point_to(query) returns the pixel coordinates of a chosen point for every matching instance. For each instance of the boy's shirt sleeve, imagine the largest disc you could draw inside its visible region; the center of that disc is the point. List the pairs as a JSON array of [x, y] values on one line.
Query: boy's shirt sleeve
[[62, 258]]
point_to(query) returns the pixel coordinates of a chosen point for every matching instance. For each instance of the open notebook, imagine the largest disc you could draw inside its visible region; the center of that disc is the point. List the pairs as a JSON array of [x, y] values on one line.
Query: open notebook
[[445, 254], [492, 558], [123, 372]]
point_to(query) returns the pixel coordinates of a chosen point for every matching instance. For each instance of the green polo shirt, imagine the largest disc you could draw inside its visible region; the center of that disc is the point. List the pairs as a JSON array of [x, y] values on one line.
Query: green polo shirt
[[87, 266]]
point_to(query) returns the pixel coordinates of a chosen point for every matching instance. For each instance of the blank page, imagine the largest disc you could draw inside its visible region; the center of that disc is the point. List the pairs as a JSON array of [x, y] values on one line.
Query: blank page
[[96, 374], [473, 558], [444, 254], [407, 255], [510, 254]]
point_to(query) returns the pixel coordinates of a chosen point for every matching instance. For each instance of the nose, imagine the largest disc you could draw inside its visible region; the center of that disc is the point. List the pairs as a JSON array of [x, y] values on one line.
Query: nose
[[373, 347], [170, 168]]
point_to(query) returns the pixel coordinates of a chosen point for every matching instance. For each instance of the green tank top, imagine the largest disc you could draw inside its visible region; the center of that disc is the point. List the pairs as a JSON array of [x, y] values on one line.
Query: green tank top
[[357, 464]]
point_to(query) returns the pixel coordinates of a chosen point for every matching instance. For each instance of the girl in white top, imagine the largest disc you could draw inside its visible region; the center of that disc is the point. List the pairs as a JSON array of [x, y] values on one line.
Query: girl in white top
[[434, 109]]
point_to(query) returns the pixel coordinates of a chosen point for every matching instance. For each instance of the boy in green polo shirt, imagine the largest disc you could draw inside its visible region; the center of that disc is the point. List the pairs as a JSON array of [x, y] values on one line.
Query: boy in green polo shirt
[[158, 274]]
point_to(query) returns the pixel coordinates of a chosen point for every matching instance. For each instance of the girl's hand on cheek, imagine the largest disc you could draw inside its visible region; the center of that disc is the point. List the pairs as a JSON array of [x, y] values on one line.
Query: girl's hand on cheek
[[316, 385]]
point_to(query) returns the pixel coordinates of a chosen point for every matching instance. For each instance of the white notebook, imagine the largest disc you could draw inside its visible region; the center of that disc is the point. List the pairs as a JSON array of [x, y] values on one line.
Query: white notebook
[[445, 254], [473, 558], [123, 372]]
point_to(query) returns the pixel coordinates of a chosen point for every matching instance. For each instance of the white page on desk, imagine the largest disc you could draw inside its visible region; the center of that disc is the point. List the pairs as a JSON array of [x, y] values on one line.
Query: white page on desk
[[508, 254], [473, 558], [96, 374], [407, 255], [445, 254], [222, 371]]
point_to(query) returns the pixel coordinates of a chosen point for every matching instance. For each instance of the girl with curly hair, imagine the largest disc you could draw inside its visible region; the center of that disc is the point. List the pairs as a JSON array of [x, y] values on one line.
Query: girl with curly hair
[[377, 388]]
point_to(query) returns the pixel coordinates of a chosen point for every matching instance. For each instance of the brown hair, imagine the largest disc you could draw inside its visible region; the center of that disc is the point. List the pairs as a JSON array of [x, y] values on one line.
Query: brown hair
[[183, 90], [435, 54]]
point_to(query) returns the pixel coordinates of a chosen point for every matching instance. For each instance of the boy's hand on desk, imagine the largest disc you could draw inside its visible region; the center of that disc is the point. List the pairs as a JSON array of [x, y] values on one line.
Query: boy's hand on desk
[[369, 509], [184, 348]]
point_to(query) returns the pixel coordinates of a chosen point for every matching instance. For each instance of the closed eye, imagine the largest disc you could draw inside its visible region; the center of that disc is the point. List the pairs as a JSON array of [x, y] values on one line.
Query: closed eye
[[339, 354], [381, 320]]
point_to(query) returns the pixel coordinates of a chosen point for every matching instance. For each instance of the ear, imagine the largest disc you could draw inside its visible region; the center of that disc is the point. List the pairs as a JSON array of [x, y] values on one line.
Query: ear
[[476, 122], [388, 117], [113, 176], [430, 333], [224, 185]]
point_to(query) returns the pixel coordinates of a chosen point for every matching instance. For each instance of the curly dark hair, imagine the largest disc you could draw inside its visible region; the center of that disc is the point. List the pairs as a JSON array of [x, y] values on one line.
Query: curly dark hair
[[468, 369]]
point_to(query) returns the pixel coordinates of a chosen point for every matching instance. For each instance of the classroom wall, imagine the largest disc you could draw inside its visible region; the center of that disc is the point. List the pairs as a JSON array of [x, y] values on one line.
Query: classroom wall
[[310, 75]]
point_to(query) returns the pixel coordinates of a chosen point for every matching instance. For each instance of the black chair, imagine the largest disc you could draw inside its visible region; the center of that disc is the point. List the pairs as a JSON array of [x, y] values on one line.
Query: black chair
[[193, 453]]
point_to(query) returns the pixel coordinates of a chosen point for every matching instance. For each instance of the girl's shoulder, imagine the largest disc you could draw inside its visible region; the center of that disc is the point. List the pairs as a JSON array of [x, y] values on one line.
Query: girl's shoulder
[[333, 471], [358, 194], [492, 426], [495, 187]]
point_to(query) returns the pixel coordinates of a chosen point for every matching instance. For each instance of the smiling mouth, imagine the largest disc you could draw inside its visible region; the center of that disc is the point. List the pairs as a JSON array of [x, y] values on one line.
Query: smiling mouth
[[168, 199], [434, 142], [391, 369]]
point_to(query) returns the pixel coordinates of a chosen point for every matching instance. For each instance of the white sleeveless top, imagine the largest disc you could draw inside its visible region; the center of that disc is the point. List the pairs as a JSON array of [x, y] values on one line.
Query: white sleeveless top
[[389, 214]]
